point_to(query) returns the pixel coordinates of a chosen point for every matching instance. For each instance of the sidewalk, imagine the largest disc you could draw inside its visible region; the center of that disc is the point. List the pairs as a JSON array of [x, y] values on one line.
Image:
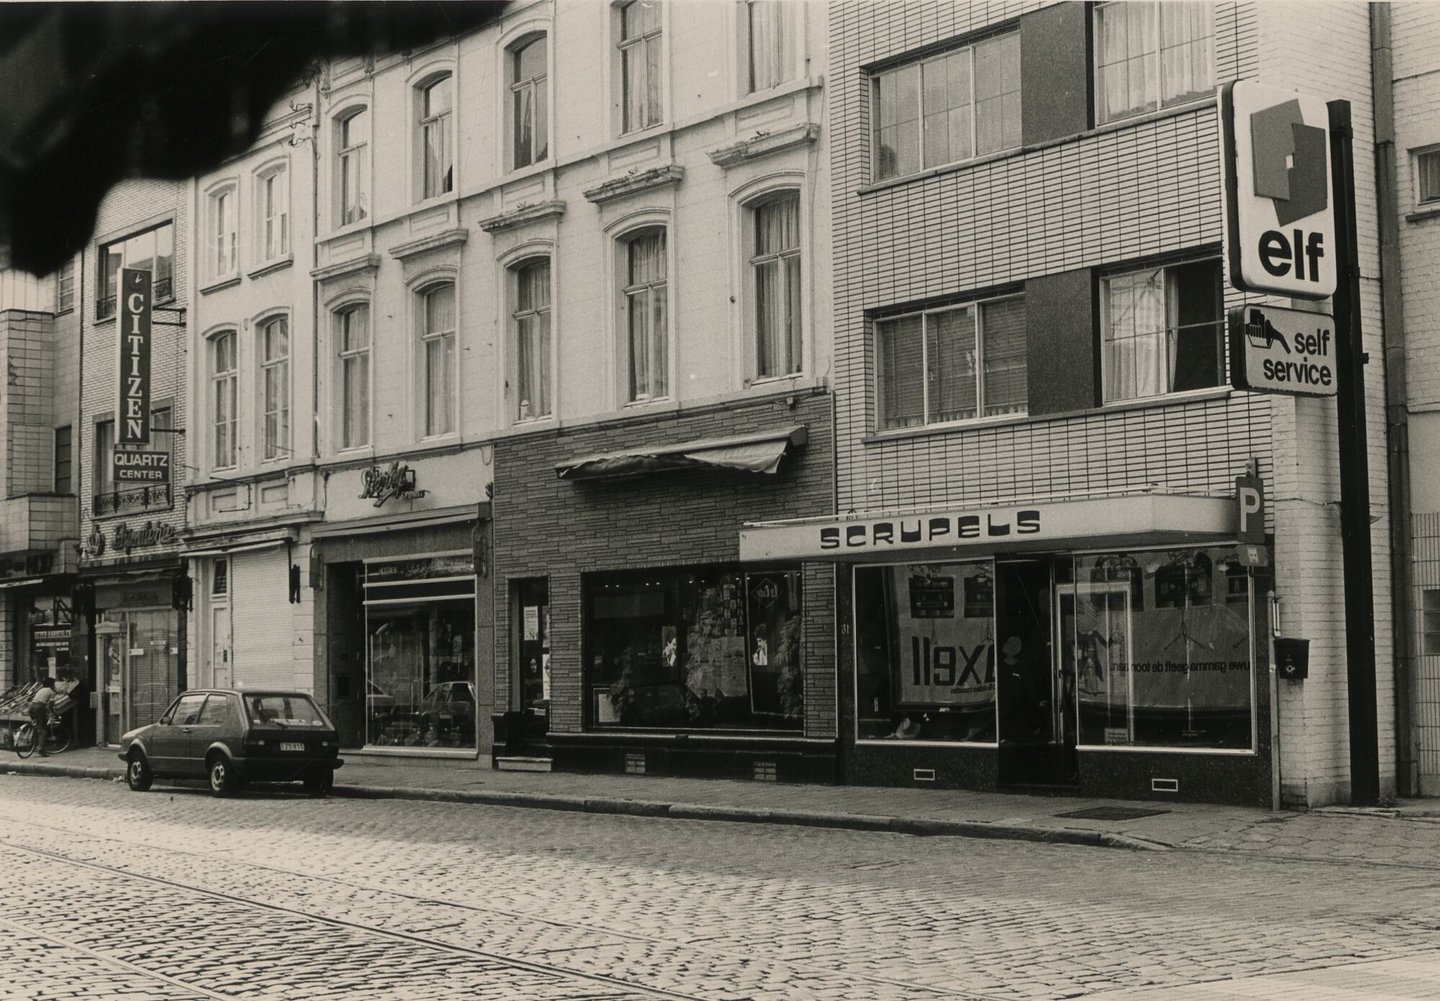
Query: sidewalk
[[1406, 835]]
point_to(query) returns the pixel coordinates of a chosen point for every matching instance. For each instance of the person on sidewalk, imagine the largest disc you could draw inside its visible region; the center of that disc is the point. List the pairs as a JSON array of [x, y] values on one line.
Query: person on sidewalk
[[40, 714]]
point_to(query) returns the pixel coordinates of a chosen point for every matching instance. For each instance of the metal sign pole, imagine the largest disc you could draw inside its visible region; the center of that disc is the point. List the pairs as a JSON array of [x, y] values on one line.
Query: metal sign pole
[[1354, 474]]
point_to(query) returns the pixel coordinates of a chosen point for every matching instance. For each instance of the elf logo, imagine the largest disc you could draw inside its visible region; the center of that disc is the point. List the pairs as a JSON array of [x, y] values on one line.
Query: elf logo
[[1277, 159]]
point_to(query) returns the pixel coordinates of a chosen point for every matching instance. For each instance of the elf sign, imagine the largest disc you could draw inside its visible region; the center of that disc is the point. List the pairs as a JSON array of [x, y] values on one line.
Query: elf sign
[[1279, 194], [132, 332]]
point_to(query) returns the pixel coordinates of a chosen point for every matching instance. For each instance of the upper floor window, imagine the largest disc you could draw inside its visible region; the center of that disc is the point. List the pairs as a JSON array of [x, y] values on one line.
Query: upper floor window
[[152, 250], [224, 233], [104, 476], [352, 342], [63, 484], [437, 156], [770, 48], [1162, 331], [645, 294], [775, 262], [1150, 55], [961, 103], [952, 364], [65, 287], [437, 348], [529, 128], [223, 384], [275, 388], [274, 214], [640, 82], [1427, 176], [353, 140], [530, 318]]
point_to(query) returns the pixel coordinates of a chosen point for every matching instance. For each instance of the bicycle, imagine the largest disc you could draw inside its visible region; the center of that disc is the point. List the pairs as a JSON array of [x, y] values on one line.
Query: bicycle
[[25, 736]]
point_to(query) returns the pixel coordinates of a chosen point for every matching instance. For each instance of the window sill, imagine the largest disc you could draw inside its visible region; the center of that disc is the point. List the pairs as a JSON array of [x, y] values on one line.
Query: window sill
[[229, 281], [1421, 214], [270, 267], [1022, 150], [947, 427], [348, 229]]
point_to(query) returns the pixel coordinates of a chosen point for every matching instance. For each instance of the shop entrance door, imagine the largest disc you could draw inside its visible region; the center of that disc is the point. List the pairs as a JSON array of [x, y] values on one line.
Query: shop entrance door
[[533, 602], [1037, 747], [112, 641], [153, 674]]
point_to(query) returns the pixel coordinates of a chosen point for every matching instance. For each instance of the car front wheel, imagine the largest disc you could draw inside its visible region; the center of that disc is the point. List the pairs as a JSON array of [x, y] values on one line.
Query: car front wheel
[[319, 784], [137, 772], [221, 774]]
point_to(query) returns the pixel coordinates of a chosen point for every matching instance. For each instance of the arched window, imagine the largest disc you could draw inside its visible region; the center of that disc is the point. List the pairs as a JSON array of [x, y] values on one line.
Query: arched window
[[352, 349], [437, 352], [645, 306], [773, 244], [272, 213], [530, 321], [436, 123], [275, 388], [529, 126], [224, 233], [223, 386]]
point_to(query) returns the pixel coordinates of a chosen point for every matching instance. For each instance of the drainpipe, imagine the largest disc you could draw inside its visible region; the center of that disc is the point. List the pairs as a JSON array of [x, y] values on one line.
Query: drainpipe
[[1397, 430]]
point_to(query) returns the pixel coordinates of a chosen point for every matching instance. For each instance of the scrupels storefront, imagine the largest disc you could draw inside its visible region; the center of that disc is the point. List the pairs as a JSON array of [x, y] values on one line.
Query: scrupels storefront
[[1104, 647]]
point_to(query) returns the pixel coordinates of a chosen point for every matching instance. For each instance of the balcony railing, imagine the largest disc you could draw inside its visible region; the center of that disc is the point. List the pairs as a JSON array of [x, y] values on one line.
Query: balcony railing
[[147, 498]]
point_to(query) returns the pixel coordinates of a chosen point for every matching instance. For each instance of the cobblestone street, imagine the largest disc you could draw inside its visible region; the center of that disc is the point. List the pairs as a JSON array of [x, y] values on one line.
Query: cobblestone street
[[173, 894]]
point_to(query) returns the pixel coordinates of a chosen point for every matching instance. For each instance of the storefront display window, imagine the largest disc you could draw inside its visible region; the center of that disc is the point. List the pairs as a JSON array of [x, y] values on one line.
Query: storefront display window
[[925, 652], [703, 648], [1161, 643], [420, 629]]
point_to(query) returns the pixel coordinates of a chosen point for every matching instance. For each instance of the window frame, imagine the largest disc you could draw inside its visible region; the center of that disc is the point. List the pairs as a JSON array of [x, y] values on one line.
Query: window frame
[[1153, 53], [163, 289], [659, 343], [447, 339], [63, 444], [1104, 332], [103, 471], [443, 122], [795, 343], [1008, 35], [783, 64], [357, 153], [361, 356], [222, 245], [538, 88], [976, 306], [279, 446], [65, 287], [1427, 156], [268, 183], [651, 42], [227, 382], [543, 352]]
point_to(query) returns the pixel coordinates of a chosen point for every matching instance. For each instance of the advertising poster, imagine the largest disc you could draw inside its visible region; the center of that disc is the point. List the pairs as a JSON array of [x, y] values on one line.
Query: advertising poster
[[945, 648]]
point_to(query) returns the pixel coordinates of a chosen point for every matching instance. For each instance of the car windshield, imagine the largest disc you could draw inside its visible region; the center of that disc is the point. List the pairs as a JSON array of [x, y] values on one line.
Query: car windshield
[[283, 710]]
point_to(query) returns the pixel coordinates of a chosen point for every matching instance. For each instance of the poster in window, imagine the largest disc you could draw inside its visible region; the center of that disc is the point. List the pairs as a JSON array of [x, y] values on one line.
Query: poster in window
[[773, 613], [943, 662]]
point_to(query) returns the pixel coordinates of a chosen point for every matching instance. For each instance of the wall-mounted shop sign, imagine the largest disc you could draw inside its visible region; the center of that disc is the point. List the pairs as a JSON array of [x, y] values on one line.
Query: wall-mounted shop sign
[[427, 568], [1277, 350], [132, 343], [1278, 191], [382, 483], [1154, 517], [26, 564], [152, 533], [140, 466]]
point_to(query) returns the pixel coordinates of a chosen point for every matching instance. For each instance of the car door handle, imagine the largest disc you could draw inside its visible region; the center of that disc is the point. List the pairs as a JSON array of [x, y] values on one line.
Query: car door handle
[[186, 729]]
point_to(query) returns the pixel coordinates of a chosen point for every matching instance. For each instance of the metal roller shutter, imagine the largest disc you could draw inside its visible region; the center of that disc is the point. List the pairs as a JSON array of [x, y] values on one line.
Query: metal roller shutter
[[259, 585]]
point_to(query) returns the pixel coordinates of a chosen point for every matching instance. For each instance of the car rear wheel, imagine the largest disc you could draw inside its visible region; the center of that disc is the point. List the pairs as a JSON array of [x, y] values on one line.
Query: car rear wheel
[[319, 784], [137, 772], [221, 775]]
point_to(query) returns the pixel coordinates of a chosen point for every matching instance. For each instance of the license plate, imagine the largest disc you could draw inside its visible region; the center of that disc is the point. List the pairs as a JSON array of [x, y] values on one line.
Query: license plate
[[291, 746]]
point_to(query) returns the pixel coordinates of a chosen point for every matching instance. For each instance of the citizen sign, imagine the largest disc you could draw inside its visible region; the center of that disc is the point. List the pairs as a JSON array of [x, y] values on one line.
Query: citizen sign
[[1278, 192], [132, 335]]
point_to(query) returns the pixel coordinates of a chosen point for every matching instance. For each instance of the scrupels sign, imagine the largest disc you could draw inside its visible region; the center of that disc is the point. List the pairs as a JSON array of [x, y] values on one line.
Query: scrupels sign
[[132, 332], [1279, 196]]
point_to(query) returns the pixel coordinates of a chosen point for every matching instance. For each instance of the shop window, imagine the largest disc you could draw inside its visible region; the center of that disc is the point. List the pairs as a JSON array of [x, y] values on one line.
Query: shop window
[[273, 214], [773, 243], [925, 652], [1430, 622], [769, 43], [1151, 55], [1162, 331], [152, 250], [420, 638], [710, 648], [528, 104], [437, 358], [352, 345], [638, 48], [436, 136], [952, 364], [531, 599], [352, 138], [959, 104], [1170, 671], [62, 460], [645, 304], [530, 322], [275, 388]]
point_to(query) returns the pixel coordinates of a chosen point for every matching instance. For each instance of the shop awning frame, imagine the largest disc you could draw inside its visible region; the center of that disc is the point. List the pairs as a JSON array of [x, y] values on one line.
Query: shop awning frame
[[760, 452]]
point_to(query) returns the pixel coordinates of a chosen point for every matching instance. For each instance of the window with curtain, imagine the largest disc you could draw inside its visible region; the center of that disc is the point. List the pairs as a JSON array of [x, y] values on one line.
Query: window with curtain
[[1151, 55], [639, 49], [437, 347], [529, 128], [771, 47], [961, 103], [646, 324], [531, 318], [437, 156], [152, 250], [775, 264], [354, 190], [224, 235], [1162, 331], [223, 385], [352, 340], [952, 364], [275, 388], [274, 198]]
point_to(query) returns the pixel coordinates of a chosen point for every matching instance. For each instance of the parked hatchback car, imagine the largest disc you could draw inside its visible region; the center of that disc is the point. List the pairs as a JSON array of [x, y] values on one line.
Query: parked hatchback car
[[232, 736]]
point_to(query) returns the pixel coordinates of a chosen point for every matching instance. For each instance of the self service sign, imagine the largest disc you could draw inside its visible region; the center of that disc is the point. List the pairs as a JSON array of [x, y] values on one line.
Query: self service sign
[[132, 331], [1277, 350], [1278, 191]]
